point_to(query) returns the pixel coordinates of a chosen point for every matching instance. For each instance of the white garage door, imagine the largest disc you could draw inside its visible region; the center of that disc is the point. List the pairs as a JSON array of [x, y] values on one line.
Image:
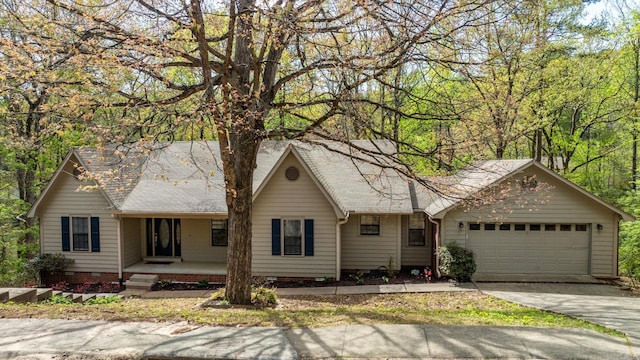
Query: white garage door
[[530, 248]]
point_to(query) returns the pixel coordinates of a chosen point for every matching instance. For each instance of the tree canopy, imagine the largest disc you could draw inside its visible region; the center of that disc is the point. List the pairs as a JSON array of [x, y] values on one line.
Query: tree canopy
[[447, 81]]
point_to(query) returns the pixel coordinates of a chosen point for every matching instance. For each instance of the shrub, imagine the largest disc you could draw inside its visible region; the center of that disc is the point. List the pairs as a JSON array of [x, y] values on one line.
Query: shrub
[[263, 296], [457, 262], [47, 263], [218, 294], [629, 255]]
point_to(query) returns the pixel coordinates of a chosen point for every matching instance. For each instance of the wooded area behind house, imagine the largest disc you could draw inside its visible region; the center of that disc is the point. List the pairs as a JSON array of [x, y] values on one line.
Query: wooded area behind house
[[449, 82]]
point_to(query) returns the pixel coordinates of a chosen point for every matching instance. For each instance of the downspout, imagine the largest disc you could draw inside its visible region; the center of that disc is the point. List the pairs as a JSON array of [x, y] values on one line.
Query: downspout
[[339, 245], [436, 244]]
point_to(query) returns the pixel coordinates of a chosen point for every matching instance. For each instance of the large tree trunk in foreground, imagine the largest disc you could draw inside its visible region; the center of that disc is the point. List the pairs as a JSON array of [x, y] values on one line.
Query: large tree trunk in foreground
[[239, 202]]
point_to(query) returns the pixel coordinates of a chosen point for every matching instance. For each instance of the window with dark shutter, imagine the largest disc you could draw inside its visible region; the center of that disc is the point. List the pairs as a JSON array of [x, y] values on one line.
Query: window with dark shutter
[[95, 234], [275, 237], [308, 237], [66, 238]]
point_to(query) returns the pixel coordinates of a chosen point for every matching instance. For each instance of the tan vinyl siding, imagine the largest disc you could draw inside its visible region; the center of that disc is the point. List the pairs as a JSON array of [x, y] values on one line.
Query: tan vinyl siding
[[299, 199], [132, 240], [559, 205], [369, 252], [196, 242], [415, 255], [64, 200]]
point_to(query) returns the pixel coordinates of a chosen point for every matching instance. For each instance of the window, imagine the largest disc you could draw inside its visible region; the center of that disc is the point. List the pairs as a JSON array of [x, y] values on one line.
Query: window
[[369, 225], [529, 183], [505, 227], [474, 226], [292, 237], [565, 227], [490, 227], [519, 227], [80, 233], [534, 227], [549, 227], [219, 232], [416, 230], [287, 235], [581, 227]]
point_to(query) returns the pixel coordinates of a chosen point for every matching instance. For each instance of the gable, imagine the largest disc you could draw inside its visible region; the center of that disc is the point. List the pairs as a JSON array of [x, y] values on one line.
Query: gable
[[65, 188], [553, 200], [292, 183]]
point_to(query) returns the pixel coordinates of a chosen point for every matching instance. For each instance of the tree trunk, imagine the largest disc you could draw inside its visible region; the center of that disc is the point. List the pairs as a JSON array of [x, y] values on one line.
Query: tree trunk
[[239, 203]]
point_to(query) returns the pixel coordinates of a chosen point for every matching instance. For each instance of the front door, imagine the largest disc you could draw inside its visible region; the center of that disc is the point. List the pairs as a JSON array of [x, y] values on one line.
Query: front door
[[163, 240]]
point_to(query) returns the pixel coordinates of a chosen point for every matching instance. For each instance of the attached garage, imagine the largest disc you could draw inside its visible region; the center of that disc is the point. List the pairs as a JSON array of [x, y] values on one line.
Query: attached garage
[[517, 248], [519, 217]]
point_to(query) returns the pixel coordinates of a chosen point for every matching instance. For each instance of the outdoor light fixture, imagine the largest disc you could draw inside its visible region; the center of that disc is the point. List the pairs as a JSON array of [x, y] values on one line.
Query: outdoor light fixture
[[461, 225], [599, 226]]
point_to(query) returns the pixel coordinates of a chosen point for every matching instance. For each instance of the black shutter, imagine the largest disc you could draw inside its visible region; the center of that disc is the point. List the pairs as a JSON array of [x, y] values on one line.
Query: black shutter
[[95, 234], [308, 237], [275, 237], [66, 241]]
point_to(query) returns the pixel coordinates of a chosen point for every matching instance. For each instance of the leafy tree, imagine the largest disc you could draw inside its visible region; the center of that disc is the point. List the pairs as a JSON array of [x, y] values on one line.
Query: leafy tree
[[244, 71]]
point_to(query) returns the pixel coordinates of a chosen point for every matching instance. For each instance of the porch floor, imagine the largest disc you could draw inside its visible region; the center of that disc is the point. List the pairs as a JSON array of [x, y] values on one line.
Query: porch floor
[[178, 268]]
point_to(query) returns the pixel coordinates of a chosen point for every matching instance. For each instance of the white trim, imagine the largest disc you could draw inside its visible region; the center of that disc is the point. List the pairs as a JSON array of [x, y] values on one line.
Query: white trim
[[120, 245], [398, 243]]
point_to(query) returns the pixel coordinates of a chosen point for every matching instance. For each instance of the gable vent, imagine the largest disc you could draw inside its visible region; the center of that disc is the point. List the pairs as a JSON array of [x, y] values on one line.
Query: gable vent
[[292, 173]]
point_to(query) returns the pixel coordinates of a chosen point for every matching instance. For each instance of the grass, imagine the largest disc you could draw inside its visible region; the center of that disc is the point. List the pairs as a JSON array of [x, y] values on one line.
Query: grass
[[316, 311]]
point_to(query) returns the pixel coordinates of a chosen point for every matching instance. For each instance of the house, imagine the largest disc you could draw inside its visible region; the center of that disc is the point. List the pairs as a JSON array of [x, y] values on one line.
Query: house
[[319, 209]]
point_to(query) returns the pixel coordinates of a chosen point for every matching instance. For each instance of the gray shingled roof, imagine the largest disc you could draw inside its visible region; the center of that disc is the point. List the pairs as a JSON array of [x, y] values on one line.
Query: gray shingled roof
[[117, 169], [187, 177], [452, 190]]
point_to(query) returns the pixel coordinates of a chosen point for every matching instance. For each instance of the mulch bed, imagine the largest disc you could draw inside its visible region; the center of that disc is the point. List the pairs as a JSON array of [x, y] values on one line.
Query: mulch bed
[[375, 277]]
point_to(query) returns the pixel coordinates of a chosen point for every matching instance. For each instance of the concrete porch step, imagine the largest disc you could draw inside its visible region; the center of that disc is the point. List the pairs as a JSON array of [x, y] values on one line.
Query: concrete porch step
[[26, 295], [4, 295], [19, 295], [141, 281]]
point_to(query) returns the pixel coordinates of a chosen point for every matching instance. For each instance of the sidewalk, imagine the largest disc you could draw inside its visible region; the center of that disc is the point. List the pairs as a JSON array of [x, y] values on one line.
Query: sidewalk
[[45, 339]]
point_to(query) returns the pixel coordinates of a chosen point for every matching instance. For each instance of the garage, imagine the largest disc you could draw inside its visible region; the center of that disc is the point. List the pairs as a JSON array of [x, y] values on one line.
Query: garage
[[517, 248]]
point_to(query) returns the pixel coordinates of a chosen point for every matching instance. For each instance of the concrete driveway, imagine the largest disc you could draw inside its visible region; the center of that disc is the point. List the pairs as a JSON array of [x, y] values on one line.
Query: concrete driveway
[[598, 303]]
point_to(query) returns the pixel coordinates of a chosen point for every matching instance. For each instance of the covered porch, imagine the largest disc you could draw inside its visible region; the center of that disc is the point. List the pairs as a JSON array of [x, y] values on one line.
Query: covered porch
[[180, 248]]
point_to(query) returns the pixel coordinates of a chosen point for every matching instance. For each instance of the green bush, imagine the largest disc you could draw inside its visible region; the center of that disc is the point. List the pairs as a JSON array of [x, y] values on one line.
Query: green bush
[[457, 262], [629, 250], [263, 296], [629, 253], [47, 263]]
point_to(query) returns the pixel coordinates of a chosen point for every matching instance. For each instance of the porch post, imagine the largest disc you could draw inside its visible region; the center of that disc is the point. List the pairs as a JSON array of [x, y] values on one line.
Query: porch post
[[119, 239]]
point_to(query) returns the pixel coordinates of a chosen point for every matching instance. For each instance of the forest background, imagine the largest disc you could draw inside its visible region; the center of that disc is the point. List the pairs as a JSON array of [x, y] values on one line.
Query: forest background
[[539, 79]]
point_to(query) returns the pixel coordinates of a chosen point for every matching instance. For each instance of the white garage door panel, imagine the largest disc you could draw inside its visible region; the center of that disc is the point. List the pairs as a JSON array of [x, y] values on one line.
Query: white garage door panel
[[526, 252]]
